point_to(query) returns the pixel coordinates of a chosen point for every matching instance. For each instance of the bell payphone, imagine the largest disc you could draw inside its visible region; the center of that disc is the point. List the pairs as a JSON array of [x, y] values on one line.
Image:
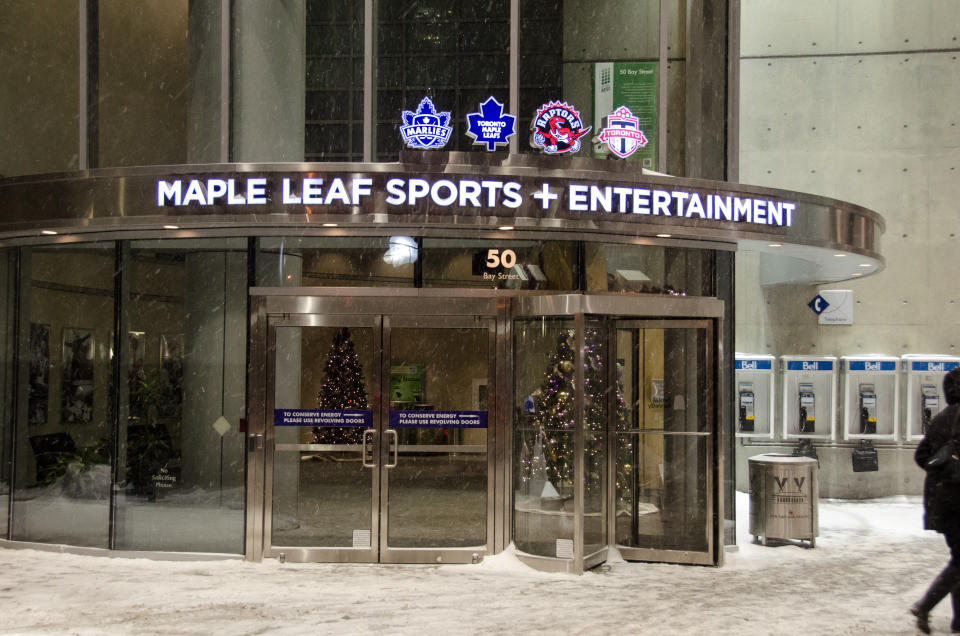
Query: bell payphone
[[870, 396], [930, 405], [809, 396], [746, 416], [807, 419], [755, 396]]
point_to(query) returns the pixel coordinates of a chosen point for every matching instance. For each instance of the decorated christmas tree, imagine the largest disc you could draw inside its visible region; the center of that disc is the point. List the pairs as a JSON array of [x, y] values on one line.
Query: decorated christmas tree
[[343, 389], [548, 460]]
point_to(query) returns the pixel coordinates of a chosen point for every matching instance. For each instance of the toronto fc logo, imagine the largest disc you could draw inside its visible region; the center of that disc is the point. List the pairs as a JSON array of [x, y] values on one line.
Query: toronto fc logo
[[426, 129], [622, 133], [557, 128]]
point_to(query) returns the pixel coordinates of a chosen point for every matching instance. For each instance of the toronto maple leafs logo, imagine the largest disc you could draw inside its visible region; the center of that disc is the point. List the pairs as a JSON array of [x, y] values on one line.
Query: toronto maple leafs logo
[[557, 128], [491, 126], [426, 129], [622, 133]]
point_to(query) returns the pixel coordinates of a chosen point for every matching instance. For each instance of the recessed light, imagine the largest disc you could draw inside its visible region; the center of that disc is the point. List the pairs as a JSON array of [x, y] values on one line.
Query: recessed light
[[774, 244], [329, 225], [866, 264], [857, 274], [171, 227], [664, 235], [840, 255], [505, 227], [49, 232]]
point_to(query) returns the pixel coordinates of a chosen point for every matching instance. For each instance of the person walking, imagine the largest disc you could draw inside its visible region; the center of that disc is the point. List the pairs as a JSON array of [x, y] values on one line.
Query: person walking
[[941, 504]]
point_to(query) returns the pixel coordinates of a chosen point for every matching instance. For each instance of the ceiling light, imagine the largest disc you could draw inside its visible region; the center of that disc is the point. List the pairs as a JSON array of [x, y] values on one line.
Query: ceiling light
[[840, 255], [664, 235], [866, 264], [505, 227], [857, 274], [329, 225], [775, 245], [171, 227], [48, 232]]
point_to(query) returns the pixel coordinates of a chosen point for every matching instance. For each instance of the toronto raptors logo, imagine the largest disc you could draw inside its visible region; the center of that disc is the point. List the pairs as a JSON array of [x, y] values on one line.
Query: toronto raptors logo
[[622, 133], [557, 128]]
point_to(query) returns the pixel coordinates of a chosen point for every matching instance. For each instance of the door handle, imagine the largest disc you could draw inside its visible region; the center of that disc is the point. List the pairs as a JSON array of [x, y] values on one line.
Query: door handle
[[396, 448], [367, 435], [254, 442]]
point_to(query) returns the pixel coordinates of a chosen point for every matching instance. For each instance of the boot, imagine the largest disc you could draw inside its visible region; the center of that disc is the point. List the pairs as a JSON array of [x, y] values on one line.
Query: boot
[[948, 579]]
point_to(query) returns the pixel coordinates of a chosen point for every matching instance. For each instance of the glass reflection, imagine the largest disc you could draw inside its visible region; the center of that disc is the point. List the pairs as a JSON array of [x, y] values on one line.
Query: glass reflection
[[7, 337], [650, 269], [181, 476], [333, 262], [63, 436]]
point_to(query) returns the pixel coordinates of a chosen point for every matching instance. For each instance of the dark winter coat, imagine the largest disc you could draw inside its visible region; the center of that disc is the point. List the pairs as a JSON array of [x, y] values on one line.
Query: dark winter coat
[[941, 501]]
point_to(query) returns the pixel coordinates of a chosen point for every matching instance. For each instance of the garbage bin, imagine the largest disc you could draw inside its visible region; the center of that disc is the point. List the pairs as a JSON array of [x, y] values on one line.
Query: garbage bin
[[783, 497]]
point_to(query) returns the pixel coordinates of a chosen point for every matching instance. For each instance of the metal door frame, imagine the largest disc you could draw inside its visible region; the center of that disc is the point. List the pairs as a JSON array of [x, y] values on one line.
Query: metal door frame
[[272, 307], [713, 457]]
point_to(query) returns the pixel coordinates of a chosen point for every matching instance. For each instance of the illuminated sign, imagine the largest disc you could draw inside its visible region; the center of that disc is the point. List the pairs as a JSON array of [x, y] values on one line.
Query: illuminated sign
[[452, 194], [622, 134], [557, 129], [426, 129], [491, 127]]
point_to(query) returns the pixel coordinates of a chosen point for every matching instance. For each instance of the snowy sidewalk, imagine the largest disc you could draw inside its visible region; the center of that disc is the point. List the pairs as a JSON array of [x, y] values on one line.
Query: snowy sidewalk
[[871, 561]]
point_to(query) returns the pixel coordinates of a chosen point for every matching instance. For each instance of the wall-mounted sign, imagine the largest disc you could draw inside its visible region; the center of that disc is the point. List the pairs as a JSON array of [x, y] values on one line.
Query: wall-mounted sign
[[632, 85], [622, 133], [450, 194], [836, 307], [491, 126], [557, 129], [426, 129]]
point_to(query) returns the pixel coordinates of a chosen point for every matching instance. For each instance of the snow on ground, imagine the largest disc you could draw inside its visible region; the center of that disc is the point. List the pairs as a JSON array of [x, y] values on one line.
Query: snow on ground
[[871, 561]]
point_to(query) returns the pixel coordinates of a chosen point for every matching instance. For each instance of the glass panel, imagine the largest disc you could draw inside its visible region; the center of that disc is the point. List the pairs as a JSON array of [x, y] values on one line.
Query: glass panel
[[181, 478], [562, 42], [448, 51], [321, 489], [159, 82], [38, 72], [500, 265], [544, 436], [334, 82], [62, 483], [661, 497], [650, 269], [439, 402], [336, 262], [595, 408], [7, 337]]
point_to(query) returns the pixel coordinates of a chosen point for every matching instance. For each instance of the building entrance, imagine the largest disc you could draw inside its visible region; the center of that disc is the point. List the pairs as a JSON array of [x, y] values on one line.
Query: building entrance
[[377, 430]]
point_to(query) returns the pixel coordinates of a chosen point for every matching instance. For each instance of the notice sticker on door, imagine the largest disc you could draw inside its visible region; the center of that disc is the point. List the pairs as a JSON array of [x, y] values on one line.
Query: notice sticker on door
[[564, 548], [361, 538]]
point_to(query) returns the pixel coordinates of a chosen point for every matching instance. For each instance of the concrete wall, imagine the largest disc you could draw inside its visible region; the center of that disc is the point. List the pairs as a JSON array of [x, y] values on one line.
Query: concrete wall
[[857, 100]]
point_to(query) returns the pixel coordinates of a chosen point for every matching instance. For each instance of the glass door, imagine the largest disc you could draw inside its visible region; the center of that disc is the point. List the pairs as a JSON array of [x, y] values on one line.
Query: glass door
[[663, 431], [376, 445]]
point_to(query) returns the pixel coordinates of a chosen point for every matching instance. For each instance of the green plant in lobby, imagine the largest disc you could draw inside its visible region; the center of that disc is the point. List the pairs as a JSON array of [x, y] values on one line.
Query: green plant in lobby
[[343, 389]]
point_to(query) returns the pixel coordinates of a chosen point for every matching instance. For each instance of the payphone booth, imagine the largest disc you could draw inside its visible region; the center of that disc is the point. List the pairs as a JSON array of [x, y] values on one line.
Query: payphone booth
[[924, 388], [755, 395], [809, 396], [871, 396]]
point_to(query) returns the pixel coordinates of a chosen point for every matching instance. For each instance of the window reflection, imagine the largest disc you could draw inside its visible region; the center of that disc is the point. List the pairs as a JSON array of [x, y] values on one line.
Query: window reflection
[[649, 269], [332, 262]]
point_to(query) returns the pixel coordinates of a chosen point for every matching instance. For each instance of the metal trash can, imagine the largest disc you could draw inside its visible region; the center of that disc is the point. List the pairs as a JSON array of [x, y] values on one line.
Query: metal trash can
[[783, 497]]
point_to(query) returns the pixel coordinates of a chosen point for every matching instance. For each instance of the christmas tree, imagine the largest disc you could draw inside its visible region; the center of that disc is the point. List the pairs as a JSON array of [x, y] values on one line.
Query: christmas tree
[[343, 388], [548, 462]]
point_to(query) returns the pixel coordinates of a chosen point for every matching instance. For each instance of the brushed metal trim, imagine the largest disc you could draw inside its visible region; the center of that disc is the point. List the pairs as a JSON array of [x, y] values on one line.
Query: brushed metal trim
[[119, 554]]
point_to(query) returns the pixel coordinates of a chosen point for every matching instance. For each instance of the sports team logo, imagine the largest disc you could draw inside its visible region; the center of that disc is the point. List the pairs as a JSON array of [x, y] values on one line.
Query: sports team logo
[[557, 128], [426, 129], [622, 133], [491, 126]]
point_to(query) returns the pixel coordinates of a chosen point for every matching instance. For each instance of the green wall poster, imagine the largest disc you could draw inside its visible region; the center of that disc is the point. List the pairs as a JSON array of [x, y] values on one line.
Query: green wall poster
[[634, 85]]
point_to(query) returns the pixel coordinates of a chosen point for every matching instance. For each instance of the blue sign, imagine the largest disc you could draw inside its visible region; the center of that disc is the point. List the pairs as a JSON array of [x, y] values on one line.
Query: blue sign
[[426, 129], [871, 365], [438, 419], [754, 365], [931, 366], [312, 417], [809, 365], [819, 304], [491, 126]]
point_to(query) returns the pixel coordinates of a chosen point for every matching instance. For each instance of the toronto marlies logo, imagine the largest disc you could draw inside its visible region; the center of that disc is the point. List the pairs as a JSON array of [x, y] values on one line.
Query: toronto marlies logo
[[426, 129], [491, 126], [557, 128], [622, 133]]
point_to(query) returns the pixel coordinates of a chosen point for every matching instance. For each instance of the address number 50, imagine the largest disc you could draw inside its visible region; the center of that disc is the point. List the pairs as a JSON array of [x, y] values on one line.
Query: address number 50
[[497, 258]]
